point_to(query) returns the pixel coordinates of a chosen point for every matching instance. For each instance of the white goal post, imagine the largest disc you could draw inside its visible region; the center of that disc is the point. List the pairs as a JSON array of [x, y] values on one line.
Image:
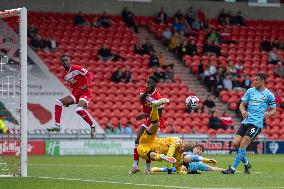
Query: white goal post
[[22, 14]]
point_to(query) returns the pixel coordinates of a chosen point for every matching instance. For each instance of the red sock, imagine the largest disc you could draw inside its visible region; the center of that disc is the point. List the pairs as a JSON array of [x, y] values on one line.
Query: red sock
[[84, 115], [58, 110], [135, 154]]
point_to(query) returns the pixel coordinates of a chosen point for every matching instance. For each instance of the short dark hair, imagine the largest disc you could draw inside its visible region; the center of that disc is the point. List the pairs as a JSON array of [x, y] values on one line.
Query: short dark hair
[[262, 76], [62, 56], [200, 146], [155, 79]]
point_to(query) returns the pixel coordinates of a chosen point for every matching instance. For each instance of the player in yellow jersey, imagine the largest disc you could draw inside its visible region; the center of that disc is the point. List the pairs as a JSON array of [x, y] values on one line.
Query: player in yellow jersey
[[3, 128], [161, 149]]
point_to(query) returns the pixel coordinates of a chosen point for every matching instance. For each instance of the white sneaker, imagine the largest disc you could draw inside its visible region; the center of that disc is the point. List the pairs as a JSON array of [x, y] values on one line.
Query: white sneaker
[[168, 159], [56, 128], [157, 103]]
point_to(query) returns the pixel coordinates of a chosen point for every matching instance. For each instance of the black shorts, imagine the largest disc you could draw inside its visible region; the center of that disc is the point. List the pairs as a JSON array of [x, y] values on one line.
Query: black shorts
[[249, 130]]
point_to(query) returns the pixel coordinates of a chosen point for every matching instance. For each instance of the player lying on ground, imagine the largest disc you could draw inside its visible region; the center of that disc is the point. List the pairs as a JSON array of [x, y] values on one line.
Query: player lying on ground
[[80, 80], [193, 162], [147, 95], [253, 107], [154, 148]]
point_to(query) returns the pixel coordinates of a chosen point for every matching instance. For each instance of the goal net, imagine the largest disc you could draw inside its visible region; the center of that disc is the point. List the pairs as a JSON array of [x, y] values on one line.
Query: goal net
[[13, 92]]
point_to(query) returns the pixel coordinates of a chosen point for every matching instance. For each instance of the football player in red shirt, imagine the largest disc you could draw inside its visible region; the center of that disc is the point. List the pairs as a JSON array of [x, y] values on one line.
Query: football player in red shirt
[[80, 80], [147, 95]]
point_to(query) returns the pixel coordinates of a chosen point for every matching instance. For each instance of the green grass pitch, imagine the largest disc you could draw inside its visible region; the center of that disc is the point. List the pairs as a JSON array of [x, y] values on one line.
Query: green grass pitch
[[101, 172]]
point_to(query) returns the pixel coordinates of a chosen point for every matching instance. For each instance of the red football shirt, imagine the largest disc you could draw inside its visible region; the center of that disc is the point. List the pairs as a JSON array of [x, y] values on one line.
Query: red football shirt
[[76, 77], [150, 97]]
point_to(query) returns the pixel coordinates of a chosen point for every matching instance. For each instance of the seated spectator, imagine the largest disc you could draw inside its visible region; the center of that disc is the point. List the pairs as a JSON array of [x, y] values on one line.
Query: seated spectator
[[190, 15], [169, 74], [209, 103], [154, 60], [201, 70], [126, 75], [273, 57], [36, 43], [166, 37], [109, 128], [200, 16], [159, 74], [226, 37], [118, 129], [161, 17], [175, 41], [128, 128], [191, 48], [148, 47], [53, 44], [246, 82], [227, 83], [237, 84], [212, 68], [178, 25], [182, 49], [45, 44], [32, 31], [138, 48], [239, 67], [117, 76], [104, 20], [163, 63], [222, 17], [128, 18], [178, 15], [105, 54], [231, 69], [215, 122], [79, 20], [266, 45], [218, 85], [227, 120], [279, 70], [196, 25], [237, 19]]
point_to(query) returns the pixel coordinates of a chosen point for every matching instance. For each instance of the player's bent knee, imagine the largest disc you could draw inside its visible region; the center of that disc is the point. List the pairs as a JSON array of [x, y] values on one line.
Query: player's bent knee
[[245, 142]]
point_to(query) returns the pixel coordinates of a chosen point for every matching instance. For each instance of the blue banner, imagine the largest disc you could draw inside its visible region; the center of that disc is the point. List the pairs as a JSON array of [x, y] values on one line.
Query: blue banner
[[274, 147]]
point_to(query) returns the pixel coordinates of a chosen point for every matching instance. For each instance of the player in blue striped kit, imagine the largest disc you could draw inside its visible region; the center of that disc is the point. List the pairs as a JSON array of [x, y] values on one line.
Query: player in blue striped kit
[[253, 107]]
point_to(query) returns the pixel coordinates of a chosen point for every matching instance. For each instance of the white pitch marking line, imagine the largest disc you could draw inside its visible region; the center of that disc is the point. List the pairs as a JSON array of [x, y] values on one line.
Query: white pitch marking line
[[140, 184]]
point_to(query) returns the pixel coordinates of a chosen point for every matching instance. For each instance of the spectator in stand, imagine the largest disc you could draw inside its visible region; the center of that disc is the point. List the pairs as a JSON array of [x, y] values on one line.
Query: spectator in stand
[[162, 61], [161, 17], [79, 20], [231, 69], [227, 82], [117, 76], [128, 128], [32, 31], [246, 82], [182, 49], [169, 74], [212, 68], [209, 103], [148, 47], [36, 43], [45, 44], [175, 41], [191, 48], [226, 37], [178, 25], [222, 17], [109, 128], [237, 19], [266, 45], [227, 120], [103, 21], [159, 74], [53, 44], [190, 15], [206, 75], [215, 122], [138, 48], [154, 60], [128, 18], [239, 67], [207, 48], [279, 70], [218, 85], [273, 57], [126, 75], [200, 16], [216, 50], [237, 84], [118, 129], [166, 37], [178, 15], [201, 70], [105, 54]]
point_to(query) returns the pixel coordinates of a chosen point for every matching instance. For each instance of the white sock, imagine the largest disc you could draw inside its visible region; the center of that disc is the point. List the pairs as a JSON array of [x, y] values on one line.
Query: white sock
[[135, 163], [148, 165]]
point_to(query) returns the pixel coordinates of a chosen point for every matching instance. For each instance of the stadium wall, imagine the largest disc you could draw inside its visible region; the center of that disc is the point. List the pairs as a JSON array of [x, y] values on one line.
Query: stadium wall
[[115, 6]]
